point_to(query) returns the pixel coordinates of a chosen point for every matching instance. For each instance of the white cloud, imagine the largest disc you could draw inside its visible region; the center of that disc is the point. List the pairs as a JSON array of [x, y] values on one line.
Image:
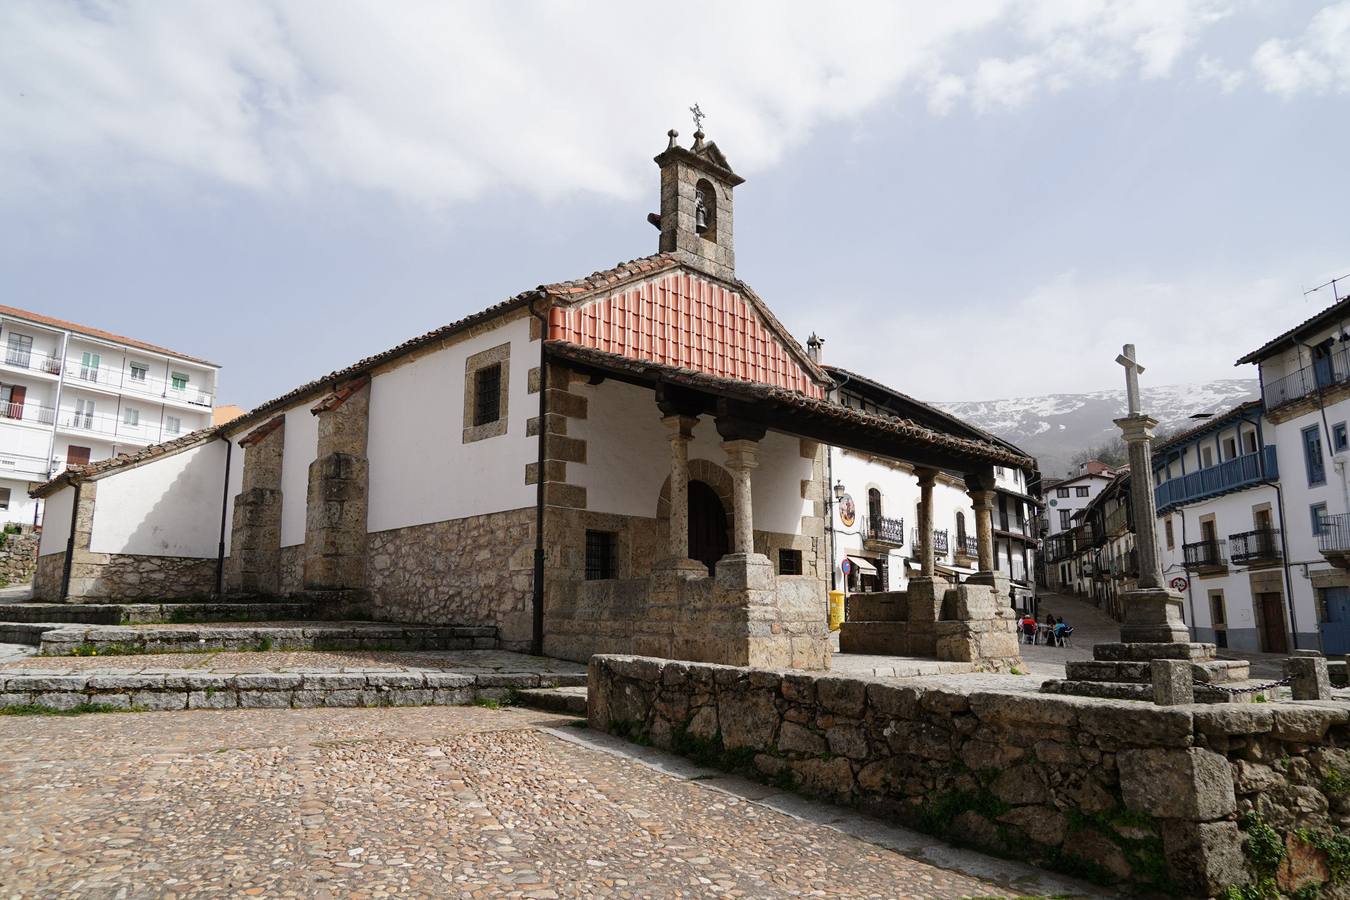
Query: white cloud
[[435, 102], [1317, 62], [1209, 69]]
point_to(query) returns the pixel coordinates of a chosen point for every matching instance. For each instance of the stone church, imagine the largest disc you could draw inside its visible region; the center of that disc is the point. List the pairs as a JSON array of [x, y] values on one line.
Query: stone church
[[629, 462]]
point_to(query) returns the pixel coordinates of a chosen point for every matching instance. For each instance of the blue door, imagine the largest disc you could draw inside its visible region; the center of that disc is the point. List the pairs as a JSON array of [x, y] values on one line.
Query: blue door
[[1336, 628]]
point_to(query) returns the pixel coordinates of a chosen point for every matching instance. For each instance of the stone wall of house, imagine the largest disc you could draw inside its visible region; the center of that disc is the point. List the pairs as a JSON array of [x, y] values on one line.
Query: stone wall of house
[[132, 577], [47, 577], [1185, 799], [473, 571], [18, 557]]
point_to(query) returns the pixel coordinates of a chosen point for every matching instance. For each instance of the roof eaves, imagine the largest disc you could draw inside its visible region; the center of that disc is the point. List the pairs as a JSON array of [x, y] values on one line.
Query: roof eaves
[[96, 470], [1336, 311]]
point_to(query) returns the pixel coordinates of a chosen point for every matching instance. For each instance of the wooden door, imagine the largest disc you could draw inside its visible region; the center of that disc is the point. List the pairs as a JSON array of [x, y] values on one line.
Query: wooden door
[[709, 540], [1272, 623]]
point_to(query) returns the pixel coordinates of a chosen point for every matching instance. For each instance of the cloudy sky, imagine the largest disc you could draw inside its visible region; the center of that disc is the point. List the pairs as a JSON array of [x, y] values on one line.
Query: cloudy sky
[[969, 200]]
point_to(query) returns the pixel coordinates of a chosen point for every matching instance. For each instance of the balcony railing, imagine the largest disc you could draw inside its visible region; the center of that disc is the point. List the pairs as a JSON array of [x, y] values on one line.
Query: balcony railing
[[27, 412], [1304, 382], [1252, 547], [967, 545], [939, 542], [158, 387], [885, 531], [1118, 520], [1335, 535], [35, 362], [1226, 476], [1204, 554]]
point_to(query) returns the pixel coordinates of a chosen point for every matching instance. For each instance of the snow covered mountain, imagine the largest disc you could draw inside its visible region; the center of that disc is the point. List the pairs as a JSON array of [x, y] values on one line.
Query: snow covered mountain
[[1055, 427]]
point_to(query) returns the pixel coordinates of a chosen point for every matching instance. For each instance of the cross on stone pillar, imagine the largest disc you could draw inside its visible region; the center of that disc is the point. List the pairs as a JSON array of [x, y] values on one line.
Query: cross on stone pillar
[[742, 459], [681, 431], [1132, 372], [927, 563]]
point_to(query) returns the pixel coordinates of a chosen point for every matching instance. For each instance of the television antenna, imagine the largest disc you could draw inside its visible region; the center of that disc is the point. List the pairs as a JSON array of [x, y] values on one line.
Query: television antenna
[[1335, 292]]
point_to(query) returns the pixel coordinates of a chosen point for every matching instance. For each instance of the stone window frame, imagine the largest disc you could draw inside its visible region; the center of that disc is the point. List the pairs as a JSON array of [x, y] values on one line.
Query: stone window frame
[[499, 355]]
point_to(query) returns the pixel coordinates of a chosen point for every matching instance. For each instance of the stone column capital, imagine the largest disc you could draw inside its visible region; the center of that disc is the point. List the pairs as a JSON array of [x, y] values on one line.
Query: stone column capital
[[1137, 428], [982, 499], [927, 477], [741, 454], [681, 427]]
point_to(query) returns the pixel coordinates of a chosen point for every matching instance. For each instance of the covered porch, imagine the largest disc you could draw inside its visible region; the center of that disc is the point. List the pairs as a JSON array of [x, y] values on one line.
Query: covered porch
[[759, 595]]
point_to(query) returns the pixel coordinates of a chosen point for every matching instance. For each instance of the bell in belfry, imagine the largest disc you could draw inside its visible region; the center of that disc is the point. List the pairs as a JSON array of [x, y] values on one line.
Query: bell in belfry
[[700, 213]]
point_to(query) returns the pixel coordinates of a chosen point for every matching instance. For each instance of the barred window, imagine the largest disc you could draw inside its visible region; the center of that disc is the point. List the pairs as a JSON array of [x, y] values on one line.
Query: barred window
[[789, 561], [599, 555], [487, 406]]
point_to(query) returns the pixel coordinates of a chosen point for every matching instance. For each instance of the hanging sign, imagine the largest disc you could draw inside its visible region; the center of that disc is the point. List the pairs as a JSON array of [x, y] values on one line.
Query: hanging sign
[[848, 513], [1179, 584]]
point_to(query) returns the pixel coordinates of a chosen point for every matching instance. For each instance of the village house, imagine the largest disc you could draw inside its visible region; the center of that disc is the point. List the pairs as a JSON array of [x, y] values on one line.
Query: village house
[[636, 462], [1065, 538]]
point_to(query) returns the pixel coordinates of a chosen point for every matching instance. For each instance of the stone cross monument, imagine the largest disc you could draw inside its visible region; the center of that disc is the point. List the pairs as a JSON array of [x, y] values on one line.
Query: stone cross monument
[[1153, 612]]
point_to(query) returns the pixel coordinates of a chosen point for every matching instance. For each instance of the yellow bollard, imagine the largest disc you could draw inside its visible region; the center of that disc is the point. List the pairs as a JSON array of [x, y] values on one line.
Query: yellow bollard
[[836, 609]]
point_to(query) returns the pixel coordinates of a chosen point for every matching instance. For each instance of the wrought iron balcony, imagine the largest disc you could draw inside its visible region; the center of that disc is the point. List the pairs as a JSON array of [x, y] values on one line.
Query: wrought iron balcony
[[1215, 480], [1253, 548], [1334, 540], [881, 530], [967, 545], [1306, 381], [1118, 520], [1204, 555], [939, 542]]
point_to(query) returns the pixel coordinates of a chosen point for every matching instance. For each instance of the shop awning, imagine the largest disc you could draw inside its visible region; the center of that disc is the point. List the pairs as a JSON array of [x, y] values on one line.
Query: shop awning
[[862, 565]]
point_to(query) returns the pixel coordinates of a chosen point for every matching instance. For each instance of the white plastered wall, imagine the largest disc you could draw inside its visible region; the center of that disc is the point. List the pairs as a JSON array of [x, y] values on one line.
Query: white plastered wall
[[421, 471], [628, 459], [301, 447], [236, 483], [56, 521], [169, 506]]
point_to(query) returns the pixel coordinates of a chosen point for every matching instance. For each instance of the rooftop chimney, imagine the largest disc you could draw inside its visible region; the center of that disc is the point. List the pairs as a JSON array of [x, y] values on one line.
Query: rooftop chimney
[[813, 348]]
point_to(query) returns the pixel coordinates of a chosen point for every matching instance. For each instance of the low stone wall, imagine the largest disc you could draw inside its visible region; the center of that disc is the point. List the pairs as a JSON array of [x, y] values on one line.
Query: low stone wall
[[47, 577], [1173, 799], [18, 558], [186, 689], [473, 571], [131, 577]]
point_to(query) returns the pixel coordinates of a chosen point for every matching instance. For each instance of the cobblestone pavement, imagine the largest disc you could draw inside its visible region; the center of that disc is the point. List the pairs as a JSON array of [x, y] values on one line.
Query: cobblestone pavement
[[463, 802], [290, 660]]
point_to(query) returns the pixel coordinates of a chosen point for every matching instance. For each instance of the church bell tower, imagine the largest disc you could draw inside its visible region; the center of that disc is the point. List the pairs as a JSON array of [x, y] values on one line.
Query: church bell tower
[[695, 218]]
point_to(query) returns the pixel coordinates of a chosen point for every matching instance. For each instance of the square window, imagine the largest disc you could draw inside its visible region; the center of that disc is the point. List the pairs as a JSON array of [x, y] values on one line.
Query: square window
[[1080, 492], [487, 388], [486, 384], [131, 417], [139, 371], [1062, 493], [172, 425], [599, 555], [789, 561], [1319, 518], [1339, 438], [178, 381]]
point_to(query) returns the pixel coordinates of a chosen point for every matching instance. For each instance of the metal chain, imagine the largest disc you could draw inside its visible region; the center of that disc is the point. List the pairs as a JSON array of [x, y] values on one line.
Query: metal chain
[[1283, 682]]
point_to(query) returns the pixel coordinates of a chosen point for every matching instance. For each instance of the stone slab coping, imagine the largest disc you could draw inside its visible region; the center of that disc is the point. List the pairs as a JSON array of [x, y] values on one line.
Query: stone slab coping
[[136, 613], [1142, 652], [283, 635]]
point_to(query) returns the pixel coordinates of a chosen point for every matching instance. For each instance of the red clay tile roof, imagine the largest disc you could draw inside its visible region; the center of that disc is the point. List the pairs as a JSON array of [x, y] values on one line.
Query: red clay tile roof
[[905, 429], [167, 448], [40, 319]]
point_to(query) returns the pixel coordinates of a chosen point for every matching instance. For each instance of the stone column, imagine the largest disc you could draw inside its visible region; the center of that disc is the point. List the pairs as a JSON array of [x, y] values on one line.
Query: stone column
[[927, 478], [681, 431], [1152, 611], [338, 493], [742, 459], [255, 536], [984, 528]]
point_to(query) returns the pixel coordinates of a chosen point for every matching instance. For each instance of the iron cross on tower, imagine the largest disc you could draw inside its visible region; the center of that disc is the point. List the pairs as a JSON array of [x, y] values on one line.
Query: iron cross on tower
[[698, 117], [1132, 370]]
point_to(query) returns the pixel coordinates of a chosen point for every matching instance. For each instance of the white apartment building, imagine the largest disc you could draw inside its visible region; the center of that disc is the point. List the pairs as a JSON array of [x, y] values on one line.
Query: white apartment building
[[1065, 536], [1305, 390], [70, 395]]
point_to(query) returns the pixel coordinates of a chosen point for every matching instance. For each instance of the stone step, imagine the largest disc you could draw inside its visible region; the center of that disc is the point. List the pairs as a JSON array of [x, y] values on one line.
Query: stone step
[[1117, 690], [560, 699], [1216, 671], [1143, 652], [157, 613], [61, 639]]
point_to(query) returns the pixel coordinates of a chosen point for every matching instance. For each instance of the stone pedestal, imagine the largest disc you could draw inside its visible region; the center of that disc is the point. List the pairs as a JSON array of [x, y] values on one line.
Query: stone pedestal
[[1153, 616]]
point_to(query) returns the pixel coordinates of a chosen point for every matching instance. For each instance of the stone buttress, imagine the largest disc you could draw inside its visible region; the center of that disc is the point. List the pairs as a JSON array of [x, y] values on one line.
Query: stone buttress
[[338, 493], [255, 535]]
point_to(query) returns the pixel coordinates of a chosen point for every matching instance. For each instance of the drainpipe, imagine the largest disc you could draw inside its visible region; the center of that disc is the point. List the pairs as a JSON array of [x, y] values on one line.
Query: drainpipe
[[224, 504], [537, 602], [70, 546]]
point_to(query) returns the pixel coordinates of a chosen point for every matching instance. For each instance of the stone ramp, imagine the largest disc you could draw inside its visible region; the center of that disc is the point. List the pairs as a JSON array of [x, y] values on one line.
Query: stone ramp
[[571, 699]]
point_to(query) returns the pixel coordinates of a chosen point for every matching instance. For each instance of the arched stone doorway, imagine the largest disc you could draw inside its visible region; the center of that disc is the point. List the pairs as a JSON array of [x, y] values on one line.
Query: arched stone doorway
[[709, 538], [707, 474]]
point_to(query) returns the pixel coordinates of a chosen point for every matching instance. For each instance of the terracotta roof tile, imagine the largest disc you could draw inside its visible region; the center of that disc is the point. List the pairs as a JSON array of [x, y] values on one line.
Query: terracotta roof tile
[[89, 470]]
